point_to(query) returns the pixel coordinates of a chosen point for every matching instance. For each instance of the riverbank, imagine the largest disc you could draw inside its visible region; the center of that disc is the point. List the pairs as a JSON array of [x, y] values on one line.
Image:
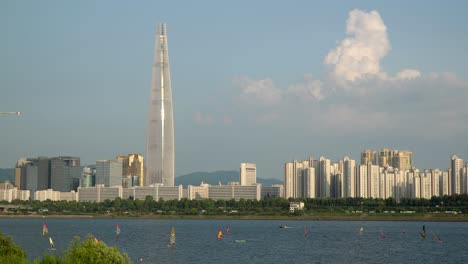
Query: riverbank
[[310, 217]]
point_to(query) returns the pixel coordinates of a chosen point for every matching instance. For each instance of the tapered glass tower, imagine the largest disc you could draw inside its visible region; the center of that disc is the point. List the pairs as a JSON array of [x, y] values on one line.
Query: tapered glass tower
[[160, 130]]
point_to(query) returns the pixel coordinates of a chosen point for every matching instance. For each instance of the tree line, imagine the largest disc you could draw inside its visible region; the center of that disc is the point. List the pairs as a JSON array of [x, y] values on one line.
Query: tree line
[[267, 205]]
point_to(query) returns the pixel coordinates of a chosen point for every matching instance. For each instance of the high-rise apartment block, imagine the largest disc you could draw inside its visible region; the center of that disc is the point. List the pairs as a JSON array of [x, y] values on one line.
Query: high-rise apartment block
[[369, 157], [349, 177], [403, 160], [457, 175]]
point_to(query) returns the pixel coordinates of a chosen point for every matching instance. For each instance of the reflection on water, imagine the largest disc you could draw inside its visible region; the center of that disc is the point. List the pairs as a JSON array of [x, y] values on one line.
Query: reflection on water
[[262, 240]]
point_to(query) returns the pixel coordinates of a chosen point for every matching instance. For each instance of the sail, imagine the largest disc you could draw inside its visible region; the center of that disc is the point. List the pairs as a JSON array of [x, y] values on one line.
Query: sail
[[220, 235], [228, 231], [117, 230], [45, 230], [51, 243], [305, 232], [423, 231], [361, 230], [172, 237]]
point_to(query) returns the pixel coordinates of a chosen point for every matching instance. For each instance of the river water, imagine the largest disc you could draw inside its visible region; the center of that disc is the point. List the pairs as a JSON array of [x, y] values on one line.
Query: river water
[[145, 240]]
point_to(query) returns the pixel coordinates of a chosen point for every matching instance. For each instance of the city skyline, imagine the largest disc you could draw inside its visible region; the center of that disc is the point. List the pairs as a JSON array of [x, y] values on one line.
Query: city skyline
[[349, 77]]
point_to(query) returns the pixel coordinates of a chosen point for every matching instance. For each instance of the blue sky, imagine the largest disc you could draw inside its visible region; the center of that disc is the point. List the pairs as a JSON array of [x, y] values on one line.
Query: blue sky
[[263, 82]]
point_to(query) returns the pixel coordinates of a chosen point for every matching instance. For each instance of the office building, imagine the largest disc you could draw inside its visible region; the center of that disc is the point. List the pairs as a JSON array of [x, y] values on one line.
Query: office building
[[132, 169], [65, 173], [109, 173], [248, 174]]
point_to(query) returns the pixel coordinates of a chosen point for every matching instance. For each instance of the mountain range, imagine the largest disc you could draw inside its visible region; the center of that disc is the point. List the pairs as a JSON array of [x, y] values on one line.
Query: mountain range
[[213, 178], [194, 178]]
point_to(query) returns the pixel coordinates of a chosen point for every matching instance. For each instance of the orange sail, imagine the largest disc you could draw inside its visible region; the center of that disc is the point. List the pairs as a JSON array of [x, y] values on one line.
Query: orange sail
[[220, 234], [45, 230]]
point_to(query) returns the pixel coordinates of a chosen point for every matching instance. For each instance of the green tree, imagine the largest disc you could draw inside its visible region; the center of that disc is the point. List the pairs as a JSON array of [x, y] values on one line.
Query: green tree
[[10, 252], [89, 251]]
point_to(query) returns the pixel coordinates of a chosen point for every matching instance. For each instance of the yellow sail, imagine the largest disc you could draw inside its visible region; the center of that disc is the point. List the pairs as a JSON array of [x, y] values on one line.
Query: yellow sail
[[172, 239], [361, 230], [220, 234], [51, 242]]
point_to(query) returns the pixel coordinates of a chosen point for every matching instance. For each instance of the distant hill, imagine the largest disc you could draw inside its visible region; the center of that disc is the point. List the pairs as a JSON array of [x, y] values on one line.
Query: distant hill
[[216, 177], [194, 178], [7, 175]]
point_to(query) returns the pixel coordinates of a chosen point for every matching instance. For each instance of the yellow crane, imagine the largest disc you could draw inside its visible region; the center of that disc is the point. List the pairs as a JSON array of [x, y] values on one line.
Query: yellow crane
[[10, 113]]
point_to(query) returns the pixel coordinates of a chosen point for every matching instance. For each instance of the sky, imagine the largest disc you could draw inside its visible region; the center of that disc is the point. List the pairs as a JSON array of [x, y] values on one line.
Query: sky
[[252, 81]]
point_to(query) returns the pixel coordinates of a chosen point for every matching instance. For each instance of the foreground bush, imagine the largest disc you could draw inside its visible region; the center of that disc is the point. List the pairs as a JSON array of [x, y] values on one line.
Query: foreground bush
[[11, 253], [91, 251], [88, 251]]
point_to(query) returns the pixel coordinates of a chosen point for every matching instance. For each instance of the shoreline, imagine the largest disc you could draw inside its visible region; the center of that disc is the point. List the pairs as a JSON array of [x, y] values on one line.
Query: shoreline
[[417, 218]]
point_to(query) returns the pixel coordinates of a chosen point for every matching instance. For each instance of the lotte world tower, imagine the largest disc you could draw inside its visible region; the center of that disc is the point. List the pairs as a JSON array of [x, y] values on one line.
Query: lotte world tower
[[160, 130]]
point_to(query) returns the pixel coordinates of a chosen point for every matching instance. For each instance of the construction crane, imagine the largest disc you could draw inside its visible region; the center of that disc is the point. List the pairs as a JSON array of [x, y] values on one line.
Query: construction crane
[[10, 113]]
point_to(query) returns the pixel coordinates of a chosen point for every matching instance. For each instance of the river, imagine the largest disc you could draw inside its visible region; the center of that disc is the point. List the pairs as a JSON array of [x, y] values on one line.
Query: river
[[145, 240]]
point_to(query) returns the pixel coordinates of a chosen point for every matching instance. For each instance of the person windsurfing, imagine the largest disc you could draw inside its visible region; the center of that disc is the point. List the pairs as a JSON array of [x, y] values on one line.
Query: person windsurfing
[[423, 232]]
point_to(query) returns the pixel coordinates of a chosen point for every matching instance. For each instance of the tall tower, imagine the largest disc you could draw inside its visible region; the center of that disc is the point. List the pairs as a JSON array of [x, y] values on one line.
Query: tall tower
[[160, 130]]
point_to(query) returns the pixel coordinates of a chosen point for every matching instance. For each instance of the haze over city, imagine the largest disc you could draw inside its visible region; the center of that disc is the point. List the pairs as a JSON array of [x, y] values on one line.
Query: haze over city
[[263, 82]]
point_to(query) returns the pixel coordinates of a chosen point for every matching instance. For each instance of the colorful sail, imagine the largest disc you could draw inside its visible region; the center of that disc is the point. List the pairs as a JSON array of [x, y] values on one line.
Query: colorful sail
[[306, 232], [361, 230], [220, 234], [172, 239], [117, 230], [228, 231], [423, 231], [45, 230], [51, 242]]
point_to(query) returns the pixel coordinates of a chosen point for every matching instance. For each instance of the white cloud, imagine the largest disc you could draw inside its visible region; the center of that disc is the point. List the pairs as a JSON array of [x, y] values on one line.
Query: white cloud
[[309, 90], [408, 74], [360, 97], [359, 55], [260, 91], [203, 119]]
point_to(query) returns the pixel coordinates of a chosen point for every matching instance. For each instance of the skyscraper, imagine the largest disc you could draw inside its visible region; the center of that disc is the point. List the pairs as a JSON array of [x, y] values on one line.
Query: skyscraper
[[109, 173], [65, 173], [248, 173], [160, 130], [349, 177], [368, 157], [456, 177]]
